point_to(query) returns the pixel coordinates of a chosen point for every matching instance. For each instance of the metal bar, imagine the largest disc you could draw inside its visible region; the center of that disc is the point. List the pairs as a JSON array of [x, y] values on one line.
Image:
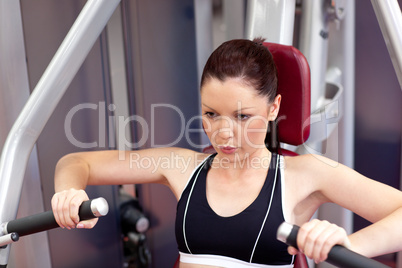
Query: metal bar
[[118, 82], [134, 77], [273, 20], [234, 18], [346, 126], [389, 18], [314, 46], [43, 100], [14, 75], [8, 239]]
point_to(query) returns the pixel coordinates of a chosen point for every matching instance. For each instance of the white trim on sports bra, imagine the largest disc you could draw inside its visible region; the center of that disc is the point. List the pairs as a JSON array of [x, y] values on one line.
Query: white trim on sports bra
[[286, 215], [268, 210], [189, 195], [192, 173], [223, 261]]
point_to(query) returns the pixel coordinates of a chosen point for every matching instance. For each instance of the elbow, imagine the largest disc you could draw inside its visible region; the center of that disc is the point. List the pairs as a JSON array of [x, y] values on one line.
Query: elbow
[[73, 162], [71, 171], [69, 159]]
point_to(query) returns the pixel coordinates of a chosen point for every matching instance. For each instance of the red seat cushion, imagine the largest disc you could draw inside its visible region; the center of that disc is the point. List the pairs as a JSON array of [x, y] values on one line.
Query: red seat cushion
[[294, 86]]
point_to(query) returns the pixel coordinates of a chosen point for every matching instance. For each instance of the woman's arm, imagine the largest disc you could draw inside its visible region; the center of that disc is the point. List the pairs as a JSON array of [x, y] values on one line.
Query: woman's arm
[[372, 200], [329, 181], [111, 167], [75, 171]]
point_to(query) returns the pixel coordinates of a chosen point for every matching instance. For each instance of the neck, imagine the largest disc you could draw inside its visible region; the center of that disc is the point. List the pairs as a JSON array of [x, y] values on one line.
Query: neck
[[243, 163]]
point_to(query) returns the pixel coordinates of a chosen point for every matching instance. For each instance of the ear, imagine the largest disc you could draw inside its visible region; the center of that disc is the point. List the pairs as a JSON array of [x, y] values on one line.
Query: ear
[[274, 108]]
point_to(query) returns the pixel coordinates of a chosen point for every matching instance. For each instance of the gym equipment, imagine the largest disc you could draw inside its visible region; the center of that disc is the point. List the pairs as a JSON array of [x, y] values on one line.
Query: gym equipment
[[338, 255], [11, 231]]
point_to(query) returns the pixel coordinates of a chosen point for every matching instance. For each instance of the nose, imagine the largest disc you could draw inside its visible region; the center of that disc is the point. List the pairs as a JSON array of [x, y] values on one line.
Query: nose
[[225, 128]]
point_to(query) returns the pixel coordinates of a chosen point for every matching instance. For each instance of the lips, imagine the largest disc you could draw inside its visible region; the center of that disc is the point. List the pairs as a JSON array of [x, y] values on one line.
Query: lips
[[227, 149]]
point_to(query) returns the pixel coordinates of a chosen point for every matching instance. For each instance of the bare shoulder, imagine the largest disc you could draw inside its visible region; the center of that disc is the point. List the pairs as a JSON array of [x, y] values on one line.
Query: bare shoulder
[[301, 173], [310, 159], [305, 185], [312, 166], [317, 171], [175, 164], [314, 179], [171, 166]]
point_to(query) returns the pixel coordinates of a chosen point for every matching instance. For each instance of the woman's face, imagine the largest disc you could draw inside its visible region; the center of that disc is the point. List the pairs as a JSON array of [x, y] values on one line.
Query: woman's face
[[235, 117]]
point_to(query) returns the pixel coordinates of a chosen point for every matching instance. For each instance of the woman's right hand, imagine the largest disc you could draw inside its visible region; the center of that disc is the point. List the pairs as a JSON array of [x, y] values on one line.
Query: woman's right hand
[[65, 206]]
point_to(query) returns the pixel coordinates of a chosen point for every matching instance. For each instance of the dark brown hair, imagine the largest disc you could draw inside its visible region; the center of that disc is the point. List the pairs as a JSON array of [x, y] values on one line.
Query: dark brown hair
[[245, 59]]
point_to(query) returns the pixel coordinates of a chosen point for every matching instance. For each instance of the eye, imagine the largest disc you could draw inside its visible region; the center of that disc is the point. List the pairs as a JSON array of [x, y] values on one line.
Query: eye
[[242, 117], [210, 114]]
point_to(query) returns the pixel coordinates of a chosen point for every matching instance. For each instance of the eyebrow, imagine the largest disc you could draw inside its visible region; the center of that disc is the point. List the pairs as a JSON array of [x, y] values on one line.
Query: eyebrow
[[244, 108]]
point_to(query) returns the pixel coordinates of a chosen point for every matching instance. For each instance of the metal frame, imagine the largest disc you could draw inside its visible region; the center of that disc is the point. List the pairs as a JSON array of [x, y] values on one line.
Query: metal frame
[[43, 100], [273, 20], [389, 18], [15, 76]]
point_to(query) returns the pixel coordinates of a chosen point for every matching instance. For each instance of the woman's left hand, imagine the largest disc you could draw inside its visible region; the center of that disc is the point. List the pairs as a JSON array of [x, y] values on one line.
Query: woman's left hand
[[316, 238]]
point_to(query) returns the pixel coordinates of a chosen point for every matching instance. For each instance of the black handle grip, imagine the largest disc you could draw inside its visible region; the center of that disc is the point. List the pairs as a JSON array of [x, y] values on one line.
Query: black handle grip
[[45, 221], [338, 255]]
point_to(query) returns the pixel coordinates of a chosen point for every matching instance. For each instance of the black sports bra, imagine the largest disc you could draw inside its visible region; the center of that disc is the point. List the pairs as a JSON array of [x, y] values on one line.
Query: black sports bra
[[247, 238]]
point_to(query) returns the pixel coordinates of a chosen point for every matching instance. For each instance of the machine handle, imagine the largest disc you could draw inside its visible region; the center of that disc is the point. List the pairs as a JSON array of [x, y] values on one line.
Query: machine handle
[[45, 221], [338, 255]]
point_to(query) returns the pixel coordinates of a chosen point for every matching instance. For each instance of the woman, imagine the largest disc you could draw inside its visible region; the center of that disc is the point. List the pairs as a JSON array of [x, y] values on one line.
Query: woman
[[231, 202]]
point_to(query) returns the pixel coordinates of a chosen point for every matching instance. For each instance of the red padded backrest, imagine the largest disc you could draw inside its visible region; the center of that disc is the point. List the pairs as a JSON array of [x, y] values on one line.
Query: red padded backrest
[[294, 85]]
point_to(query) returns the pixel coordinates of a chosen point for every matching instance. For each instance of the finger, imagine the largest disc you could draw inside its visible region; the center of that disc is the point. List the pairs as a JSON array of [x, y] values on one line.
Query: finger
[[315, 239], [70, 204], [88, 224], [336, 235], [54, 202], [60, 205], [303, 233], [324, 243], [73, 211], [292, 250], [75, 204], [68, 223]]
